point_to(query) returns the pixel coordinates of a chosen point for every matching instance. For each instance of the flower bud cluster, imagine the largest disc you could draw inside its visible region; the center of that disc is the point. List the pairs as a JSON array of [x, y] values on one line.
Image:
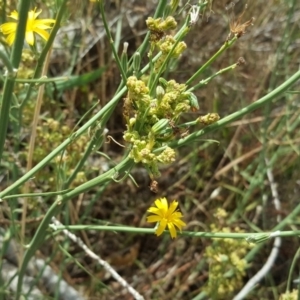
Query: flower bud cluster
[[209, 119], [153, 105], [160, 24], [148, 120], [226, 256], [166, 46]]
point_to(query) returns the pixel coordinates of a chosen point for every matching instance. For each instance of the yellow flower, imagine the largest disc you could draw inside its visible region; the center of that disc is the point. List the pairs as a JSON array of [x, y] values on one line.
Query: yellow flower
[[166, 216], [33, 25]]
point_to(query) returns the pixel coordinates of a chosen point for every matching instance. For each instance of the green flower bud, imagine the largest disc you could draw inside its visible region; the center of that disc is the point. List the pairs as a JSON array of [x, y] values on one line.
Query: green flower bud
[[193, 102], [163, 81], [182, 107], [152, 23], [167, 156], [168, 23], [209, 119], [160, 126], [132, 121], [131, 136], [159, 92], [159, 24], [167, 44], [179, 49], [136, 62], [124, 57], [136, 87]]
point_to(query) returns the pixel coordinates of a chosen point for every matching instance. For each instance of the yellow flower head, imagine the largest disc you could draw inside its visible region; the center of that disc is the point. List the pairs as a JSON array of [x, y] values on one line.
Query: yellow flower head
[[33, 25], [166, 216]]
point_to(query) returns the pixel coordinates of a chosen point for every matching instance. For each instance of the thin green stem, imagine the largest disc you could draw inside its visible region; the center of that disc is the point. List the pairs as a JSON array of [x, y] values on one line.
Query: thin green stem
[[158, 55], [287, 220], [236, 115], [10, 80], [7, 63], [179, 37], [123, 167], [111, 42], [96, 141], [292, 269], [42, 57], [104, 113], [227, 45], [79, 165], [207, 80], [31, 195], [158, 13], [222, 235], [113, 174], [39, 238], [42, 80], [143, 48]]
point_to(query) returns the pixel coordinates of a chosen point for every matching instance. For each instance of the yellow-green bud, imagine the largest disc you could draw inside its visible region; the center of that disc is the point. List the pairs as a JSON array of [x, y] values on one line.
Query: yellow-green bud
[[131, 137], [163, 81], [138, 87], [159, 93], [160, 24], [182, 107], [53, 124], [167, 156], [152, 23], [136, 62], [160, 126], [124, 57], [167, 44], [168, 23], [132, 121], [193, 102], [179, 48], [209, 119]]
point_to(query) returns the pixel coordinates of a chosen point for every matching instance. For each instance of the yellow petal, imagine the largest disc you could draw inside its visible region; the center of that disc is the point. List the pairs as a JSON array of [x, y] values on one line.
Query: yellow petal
[[33, 14], [158, 203], [161, 227], [152, 219], [42, 22], [8, 28], [155, 210], [44, 34], [10, 38], [177, 215], [40, 26], [162, 204], [179, 224], [29, 37], [14, 15], [173, 207], [172, 230]]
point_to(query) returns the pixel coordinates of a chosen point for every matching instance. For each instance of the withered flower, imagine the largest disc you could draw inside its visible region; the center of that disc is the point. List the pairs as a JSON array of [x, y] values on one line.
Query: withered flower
[[236, 26]]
